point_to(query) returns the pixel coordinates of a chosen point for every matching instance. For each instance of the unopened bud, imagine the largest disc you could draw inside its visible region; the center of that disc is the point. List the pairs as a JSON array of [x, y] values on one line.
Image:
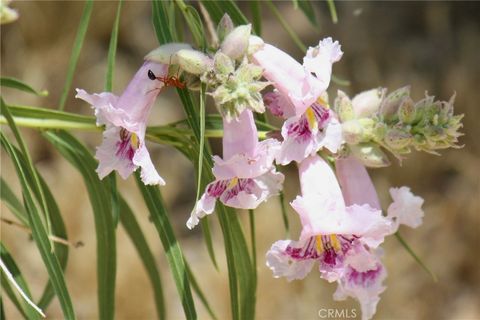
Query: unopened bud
[[223, 63], [255, 43], [166, 53], [194, 61], [397, 139], [225, 26], [343, 107], [235, 44], [393, 101], [406, 111], [370, 155], [352, 132], [368, 102]]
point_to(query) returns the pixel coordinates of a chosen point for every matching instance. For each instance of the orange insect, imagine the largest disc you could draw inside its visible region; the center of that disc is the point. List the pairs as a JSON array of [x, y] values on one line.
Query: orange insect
[[168, 81]]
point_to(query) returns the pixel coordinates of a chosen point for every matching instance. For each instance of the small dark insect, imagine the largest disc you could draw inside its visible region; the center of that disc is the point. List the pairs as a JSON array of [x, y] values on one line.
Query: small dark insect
[[172, 81], [151, 75]]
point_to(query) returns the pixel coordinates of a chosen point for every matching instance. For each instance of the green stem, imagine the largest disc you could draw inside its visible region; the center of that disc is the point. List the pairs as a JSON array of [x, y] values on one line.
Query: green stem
[[63, 124]]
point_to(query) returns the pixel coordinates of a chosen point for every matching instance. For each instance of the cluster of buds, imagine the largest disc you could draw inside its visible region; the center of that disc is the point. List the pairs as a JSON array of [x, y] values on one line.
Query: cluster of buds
[[373, 121], [231, 79]]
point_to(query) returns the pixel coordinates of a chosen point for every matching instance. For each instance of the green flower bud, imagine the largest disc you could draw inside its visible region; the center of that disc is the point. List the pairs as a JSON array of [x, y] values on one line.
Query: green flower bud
[[225, 26], [235, 44], [392, 102], [223, 64], [407, 111], [397, 139], [370, 155], [343, 107], [352, 132], [194, 61], [166, 53]]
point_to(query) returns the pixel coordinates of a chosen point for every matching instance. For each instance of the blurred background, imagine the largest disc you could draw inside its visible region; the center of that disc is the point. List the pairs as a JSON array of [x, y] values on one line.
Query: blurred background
[[431, 45]]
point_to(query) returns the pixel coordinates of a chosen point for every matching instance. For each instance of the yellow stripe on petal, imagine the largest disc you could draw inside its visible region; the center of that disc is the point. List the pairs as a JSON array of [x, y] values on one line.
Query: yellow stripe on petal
[[319, 244], [323, 103], [312, 121], [232, 183], [135, 143], [335, 242]]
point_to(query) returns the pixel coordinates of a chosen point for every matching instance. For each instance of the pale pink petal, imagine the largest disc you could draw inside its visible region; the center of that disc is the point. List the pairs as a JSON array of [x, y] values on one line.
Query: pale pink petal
[[406, 208], [357, 187], [361, 259], [110, 158], [365, 104], [289, 77], [255, 191], [243, 166], [240, 136], [278, 104], [363, 286], [319, 59], [148, 173], [100, 102], [204, 206], [318, 179], [283, 265]]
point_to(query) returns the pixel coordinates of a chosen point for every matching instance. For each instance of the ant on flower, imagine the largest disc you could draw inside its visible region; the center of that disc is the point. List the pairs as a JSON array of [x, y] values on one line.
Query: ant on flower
[[168, 81]]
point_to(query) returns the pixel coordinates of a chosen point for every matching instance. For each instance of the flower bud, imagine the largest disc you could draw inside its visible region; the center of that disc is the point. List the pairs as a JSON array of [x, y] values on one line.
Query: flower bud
[[235, 44], [352, 132], [343, 107], [367, 103], [223, 63], [392, 102], [225, 26], [370, 155], [397, 139], [255, 43], [166, 53], [406, 111], [194, 61]]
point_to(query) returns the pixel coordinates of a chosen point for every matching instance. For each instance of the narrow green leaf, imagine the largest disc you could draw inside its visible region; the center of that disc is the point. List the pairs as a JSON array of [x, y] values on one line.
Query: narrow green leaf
[[135, 233], [333, 11], [17, 84], [284, 213], [198, 291], [217, 9], [286, 26], [112, 49], [80, 157], [6, 287], [12, 202], [39, 233], [253, 244], [2, 311], [415, 256], [194, 23], [11, 273], [308, 9], [159, 216], [256, 17], [77, 47]]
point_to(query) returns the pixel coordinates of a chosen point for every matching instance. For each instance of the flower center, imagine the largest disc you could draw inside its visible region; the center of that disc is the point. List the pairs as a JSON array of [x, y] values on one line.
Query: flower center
[[327, 243], [232, 183], [312, 120]]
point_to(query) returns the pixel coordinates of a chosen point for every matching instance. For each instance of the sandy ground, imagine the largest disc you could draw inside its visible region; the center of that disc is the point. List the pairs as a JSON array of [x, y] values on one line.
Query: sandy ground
[[432, 46]]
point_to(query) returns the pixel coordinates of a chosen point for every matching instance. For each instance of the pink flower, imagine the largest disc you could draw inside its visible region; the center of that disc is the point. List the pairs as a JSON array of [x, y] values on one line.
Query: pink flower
[[246, 176], [333, 234], [125, 118], [357, 188], [301, 97]]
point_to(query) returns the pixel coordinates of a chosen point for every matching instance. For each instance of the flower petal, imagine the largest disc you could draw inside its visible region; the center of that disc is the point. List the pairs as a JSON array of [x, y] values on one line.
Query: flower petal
[[110, 158], [240, 136], [319, 59], [283, 265], [406, 208], [204, 206], [148, 174]]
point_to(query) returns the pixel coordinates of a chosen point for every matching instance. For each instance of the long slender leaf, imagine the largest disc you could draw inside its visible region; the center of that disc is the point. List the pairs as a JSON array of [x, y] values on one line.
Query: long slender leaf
[[129, 222], [39, 233], [256, 16], [159, 215], [307, 9], [12, 202], [77, 47], [83, 161], [11, 272], [218, 8], [333, 11], [415, 256], [198, 291], [17, 84]]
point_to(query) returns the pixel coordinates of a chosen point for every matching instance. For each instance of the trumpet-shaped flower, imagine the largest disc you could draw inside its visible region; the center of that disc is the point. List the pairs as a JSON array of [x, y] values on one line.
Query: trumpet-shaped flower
[[246, 176], [123, 148], [301, 97], [342, 239]]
